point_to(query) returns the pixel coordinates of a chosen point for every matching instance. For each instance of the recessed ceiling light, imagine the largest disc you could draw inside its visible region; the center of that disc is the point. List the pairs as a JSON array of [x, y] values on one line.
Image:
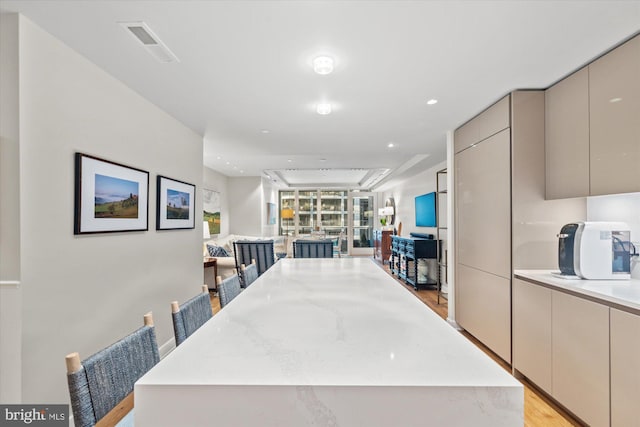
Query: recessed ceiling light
[[432, 101], [391, 145], [323, 65], [323, 160], [218, 157], [265, 131], [228, 163], [241, 171], [323, 109], [289, 160]]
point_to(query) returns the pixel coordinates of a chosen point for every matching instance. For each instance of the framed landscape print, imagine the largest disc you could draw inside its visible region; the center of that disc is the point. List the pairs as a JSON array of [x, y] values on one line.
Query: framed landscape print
[[109, 197], [211, 207], [176, 204]]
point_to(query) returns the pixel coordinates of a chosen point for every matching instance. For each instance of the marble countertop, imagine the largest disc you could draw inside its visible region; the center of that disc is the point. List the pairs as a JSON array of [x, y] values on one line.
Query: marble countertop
[[332, 322], [623, 294], [327, 342]]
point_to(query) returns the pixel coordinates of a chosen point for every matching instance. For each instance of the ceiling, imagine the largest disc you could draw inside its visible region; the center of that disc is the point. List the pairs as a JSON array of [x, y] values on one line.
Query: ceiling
[[244, 77]]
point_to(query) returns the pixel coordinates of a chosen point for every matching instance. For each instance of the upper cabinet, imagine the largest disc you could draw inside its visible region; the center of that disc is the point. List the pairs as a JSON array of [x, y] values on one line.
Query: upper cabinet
[[488, 123], [614, 105], [567, 137], [592, 129]]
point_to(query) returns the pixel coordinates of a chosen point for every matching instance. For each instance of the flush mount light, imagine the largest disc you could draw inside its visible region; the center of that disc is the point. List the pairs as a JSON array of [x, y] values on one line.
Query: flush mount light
[[323, 65], [323, 109], [432, 101]]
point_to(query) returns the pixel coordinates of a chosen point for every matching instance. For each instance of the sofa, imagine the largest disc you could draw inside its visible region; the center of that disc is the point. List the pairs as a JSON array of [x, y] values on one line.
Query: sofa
[[222, 250]]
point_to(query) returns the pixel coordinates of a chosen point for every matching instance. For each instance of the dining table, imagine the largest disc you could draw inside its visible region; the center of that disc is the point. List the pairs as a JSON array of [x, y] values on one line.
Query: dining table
[[327, 342]]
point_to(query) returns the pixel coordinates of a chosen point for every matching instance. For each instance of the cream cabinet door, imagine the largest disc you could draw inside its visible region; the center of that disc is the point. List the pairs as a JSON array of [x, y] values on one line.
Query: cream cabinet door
[[483, 204], [614, 105], [567, 137], [483, 308], [625, 369], [532, 332], [580, 357]]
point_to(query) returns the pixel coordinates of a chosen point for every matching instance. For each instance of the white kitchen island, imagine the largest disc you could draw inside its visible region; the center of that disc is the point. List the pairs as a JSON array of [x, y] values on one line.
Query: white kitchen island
[[327, 342]]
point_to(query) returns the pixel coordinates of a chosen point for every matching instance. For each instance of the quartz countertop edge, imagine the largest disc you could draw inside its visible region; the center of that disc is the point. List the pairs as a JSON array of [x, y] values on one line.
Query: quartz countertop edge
[[620, 294]]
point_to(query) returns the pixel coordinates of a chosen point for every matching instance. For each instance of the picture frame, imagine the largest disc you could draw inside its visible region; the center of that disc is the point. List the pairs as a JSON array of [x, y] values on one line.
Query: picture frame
[[271, 213], [176, 203], [109, 197], [211, 210]]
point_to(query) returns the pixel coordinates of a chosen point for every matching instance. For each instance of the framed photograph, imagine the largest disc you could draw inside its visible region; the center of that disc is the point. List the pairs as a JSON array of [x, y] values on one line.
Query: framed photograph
[[109, 197], [176, 204], [211, 207], [271, 213]]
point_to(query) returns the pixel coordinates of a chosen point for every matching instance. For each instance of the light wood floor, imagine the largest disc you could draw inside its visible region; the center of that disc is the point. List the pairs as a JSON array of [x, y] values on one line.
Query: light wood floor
[[539, 411]]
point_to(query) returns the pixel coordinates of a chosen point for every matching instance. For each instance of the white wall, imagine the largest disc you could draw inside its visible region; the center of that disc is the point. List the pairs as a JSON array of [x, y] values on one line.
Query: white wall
[[81, 293], [404, 194], [10, 291], [619, 207], [245, 205], [213, 180]]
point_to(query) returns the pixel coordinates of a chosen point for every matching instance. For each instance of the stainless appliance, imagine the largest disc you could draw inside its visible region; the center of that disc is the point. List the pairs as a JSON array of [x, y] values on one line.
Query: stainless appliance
[[595, 250]]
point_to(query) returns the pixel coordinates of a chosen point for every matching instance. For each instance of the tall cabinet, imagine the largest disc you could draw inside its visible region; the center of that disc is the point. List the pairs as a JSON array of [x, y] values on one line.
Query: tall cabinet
[[503, 221]]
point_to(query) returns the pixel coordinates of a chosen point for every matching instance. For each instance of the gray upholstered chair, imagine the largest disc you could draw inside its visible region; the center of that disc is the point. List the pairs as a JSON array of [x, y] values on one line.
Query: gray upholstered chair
[[191, 315], [260, 250], [228, 289], [313, 249], [248, 274], [100, 382]]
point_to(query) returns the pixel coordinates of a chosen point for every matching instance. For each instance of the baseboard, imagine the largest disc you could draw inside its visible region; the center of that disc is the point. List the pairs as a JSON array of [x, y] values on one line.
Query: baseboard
[[167, 348], [454, 324]]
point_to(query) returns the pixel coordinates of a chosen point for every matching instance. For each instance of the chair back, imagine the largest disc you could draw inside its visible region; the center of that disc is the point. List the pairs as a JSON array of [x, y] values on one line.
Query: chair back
[[191, 315], [103, 380], [249, 274], [261, 250], [313, 249], [228, 289]]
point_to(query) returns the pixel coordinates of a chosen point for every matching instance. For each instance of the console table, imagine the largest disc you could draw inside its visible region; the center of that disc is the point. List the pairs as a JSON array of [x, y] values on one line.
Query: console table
[[382, 245], [405, 253]]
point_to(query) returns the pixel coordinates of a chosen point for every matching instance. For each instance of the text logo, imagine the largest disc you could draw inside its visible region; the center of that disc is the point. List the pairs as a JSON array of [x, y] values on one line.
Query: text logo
[[34, 415]]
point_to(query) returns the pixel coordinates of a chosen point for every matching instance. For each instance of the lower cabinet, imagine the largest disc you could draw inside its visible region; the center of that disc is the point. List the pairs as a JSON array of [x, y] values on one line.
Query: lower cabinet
[[532, 332], [483, 308], [625, 368], [580, 355], [561, 344]]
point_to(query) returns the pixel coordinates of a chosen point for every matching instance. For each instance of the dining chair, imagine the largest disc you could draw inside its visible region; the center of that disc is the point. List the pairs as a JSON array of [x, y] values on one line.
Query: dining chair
[[248, 274], [102, 381], [228, 289], [313, 249], [188, 317], [260, 250]]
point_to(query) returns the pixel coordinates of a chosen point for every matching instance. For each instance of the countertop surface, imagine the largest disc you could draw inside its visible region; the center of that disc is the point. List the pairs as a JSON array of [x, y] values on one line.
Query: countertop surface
[[341, 322], [623, 294]]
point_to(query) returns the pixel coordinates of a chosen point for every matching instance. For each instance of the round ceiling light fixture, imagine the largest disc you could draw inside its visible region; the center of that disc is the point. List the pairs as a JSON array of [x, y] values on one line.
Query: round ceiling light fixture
[[323, 65], [323, 108]]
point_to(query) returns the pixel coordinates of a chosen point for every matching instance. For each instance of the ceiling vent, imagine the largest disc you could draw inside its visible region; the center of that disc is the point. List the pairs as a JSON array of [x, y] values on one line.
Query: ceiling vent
[[150, 41]]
